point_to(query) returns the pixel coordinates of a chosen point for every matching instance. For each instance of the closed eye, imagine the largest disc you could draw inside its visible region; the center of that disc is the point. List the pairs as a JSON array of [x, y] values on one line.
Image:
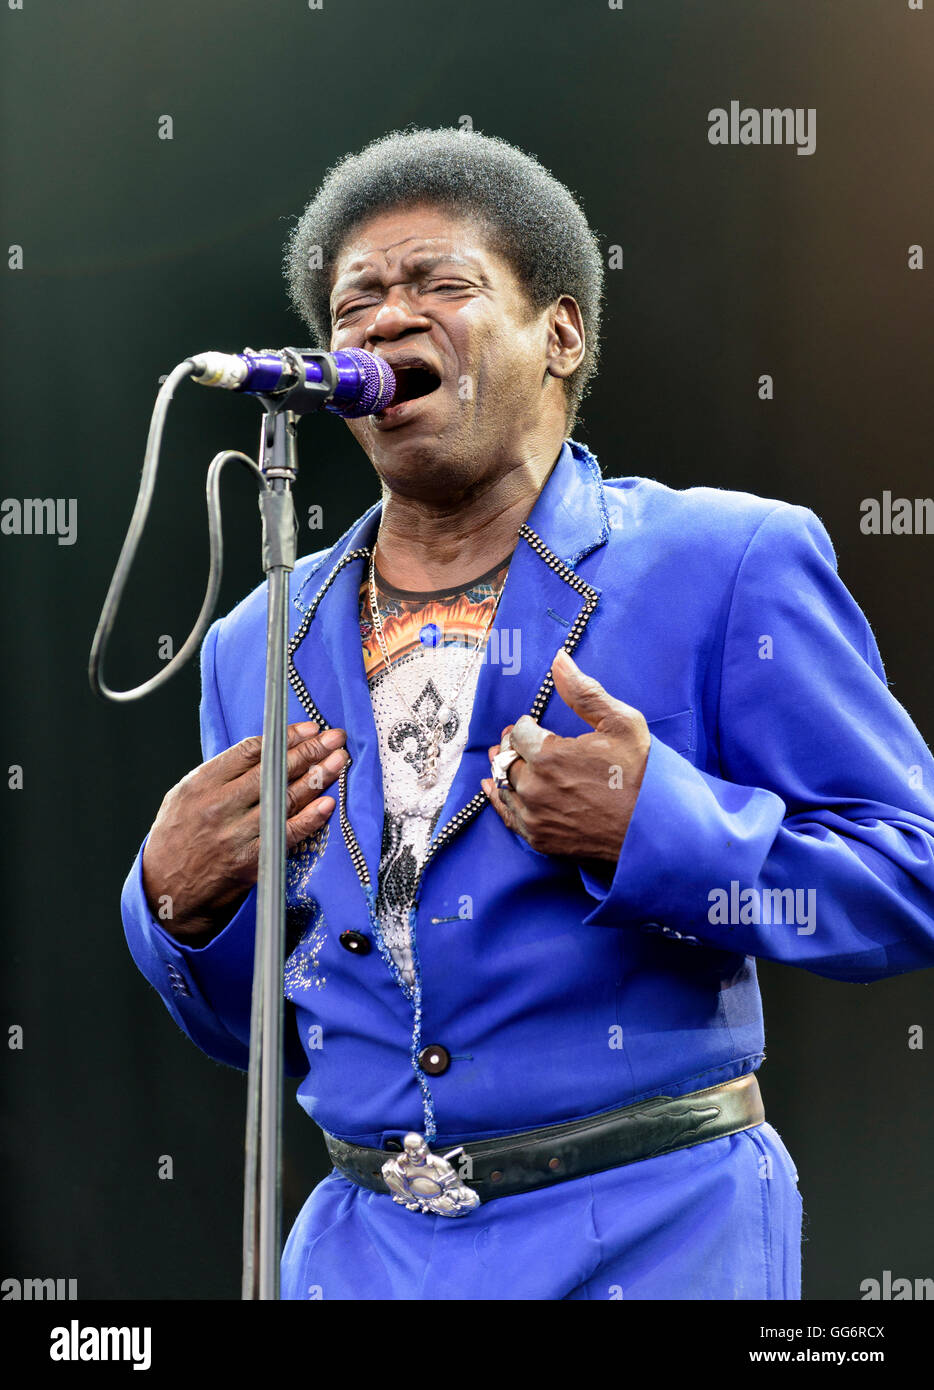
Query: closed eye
[[351, 309]]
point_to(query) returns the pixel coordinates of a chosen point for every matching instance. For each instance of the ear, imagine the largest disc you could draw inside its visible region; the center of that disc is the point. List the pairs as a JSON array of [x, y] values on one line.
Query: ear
[[567, 343]]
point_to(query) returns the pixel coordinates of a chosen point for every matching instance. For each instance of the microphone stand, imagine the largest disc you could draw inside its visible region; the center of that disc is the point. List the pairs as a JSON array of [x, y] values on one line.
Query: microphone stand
[[262, 1194], [262, 1187]]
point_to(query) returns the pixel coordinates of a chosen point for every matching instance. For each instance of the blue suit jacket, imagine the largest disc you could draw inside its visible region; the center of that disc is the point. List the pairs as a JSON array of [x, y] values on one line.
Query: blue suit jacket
[[779, 759]]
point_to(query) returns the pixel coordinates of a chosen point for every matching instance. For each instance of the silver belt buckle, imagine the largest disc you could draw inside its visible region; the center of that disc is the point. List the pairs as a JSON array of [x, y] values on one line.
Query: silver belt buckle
[[423, 1181]]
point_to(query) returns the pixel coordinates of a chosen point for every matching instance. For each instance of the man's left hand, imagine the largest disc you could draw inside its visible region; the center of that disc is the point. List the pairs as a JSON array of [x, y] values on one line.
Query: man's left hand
[[575, 796]]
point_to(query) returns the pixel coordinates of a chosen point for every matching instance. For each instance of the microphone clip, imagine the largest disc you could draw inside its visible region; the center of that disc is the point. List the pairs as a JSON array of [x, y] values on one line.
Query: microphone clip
[[303, 396]]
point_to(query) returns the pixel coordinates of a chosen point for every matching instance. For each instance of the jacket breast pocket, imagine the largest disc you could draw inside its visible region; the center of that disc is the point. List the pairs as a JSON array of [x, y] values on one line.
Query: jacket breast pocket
[[677, 730]]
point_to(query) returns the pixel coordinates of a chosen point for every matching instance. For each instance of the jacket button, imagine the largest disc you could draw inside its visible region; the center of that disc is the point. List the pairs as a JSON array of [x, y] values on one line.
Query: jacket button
[[434, 1059], [355, 942]]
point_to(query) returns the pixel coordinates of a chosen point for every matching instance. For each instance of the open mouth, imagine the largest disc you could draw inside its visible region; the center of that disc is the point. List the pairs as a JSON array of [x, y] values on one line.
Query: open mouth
[[412, 383]]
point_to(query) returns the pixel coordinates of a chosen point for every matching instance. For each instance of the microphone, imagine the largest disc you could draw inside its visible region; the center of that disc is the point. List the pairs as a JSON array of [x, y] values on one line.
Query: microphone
[[349, 383]]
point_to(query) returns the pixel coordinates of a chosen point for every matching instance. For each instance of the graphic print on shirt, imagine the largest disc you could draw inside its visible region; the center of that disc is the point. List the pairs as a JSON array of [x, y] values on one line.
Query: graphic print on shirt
[[431, 640]]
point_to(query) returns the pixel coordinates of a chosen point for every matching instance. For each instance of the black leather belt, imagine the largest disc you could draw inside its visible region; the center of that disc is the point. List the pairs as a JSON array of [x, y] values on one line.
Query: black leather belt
[[539, 1157]]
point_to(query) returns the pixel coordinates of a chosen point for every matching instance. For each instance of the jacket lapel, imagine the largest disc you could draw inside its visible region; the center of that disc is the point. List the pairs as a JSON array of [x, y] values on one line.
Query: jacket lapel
[[544, 605], [328, 678]]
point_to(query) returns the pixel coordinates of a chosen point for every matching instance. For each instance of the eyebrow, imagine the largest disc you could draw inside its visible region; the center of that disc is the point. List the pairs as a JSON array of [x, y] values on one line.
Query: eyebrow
[[415, 263]]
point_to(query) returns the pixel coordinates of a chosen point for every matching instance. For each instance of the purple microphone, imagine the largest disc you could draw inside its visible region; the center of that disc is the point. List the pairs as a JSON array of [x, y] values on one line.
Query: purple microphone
[[356, 382]]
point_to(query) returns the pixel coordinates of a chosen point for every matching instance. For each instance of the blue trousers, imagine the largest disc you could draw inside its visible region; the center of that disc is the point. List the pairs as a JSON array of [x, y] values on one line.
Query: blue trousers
[[719, 1220]]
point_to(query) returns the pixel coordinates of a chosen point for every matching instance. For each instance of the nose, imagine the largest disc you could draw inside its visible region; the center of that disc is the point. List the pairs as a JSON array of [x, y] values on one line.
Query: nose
[[394, 319]]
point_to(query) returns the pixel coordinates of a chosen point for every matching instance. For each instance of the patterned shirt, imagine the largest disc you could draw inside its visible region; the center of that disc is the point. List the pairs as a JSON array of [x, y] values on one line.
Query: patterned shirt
[[430, 638]]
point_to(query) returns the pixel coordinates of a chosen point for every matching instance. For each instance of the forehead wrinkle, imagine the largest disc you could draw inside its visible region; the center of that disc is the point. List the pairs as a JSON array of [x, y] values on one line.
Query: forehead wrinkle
[[361, 261]]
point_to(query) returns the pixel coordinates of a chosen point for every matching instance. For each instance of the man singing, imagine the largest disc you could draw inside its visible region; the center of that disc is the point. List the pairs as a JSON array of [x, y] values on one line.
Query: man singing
[[593, 746]]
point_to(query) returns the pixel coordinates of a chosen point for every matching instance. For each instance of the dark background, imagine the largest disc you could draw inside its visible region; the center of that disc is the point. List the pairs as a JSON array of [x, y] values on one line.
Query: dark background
[[138, 251]]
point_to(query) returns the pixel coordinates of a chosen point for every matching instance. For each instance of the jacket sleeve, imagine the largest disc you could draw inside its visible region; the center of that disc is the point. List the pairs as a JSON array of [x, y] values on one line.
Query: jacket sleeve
[[815, 844], [206, 989]]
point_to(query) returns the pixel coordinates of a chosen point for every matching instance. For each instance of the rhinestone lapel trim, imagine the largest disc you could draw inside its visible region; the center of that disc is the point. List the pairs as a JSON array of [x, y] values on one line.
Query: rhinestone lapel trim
[[466, 813]]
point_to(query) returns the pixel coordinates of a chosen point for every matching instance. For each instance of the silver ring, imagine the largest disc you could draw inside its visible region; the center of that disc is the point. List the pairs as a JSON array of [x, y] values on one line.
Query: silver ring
[[500, 766]]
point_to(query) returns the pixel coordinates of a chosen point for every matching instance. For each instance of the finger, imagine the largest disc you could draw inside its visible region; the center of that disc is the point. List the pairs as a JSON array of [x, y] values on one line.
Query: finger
[[236, 761], [243, 757], [309, 821], [584, 694], [310, 784], [511, 771], [528, 737], [297, 733], [315, 750], [495, 798], [300, 793], [304, 756]]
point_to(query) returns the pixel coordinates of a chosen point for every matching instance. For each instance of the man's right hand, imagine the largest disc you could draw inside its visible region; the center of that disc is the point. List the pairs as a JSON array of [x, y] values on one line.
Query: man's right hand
[[202, 855]]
